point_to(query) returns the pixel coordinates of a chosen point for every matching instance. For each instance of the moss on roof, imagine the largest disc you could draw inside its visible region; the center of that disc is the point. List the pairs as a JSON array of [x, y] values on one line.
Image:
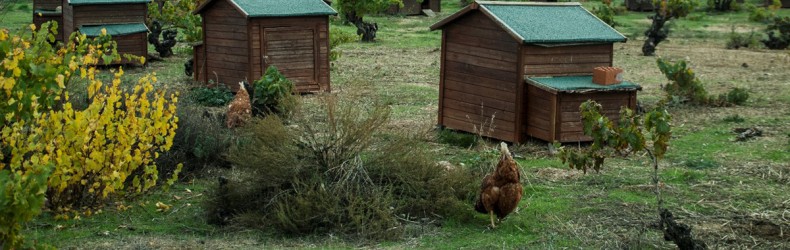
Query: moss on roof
[[546, 23], [113, 29], [579, 84], [284, 8], [90, 2]]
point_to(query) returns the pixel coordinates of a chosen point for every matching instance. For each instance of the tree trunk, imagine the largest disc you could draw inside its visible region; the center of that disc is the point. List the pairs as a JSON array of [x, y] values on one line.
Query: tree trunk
[[164, 47], [656, 34]]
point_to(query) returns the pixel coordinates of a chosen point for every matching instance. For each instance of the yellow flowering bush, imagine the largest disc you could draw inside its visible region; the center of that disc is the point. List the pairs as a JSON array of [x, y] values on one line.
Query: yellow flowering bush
[[83, 155]]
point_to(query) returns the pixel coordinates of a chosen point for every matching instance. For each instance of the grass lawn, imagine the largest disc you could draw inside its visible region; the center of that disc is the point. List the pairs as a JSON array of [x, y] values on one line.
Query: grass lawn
[[733, 194]]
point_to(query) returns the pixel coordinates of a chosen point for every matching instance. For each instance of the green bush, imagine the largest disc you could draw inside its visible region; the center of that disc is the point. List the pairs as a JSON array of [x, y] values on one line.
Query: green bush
[[219, 96], [737, 96], [763, 14], [201, 140], [684, 86], [328, 172], [778, 33], [605, 12], [337, 37], [273, 93], [21, 199], [738, 40]]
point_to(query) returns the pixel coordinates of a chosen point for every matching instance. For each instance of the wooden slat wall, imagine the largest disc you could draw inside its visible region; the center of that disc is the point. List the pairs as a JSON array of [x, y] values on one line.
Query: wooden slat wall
[[293, 64], [135, 44], [480, 73], [541, 113], [566, 60], [556, 117], [569, 117], [226, 44], [108, 14]]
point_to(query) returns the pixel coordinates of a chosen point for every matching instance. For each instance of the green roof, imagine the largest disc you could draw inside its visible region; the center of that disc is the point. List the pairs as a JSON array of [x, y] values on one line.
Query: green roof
[[280, 8], [89, 2], [579, 84], [113, 29], [545, 23]]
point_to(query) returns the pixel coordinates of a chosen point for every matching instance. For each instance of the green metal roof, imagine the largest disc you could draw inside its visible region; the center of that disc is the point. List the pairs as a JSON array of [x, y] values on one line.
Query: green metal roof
[[579, 84], [113, 29], [89, 2], [279, 8], [544, 23]]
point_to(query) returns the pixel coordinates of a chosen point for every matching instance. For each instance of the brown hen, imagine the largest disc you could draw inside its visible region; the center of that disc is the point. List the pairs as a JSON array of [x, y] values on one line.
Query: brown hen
[[240, 109], [501, 190]]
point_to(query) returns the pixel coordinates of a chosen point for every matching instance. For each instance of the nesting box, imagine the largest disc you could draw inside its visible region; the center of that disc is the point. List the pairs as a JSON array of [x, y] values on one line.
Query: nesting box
[[124, 20], [242, 38], [553, 105], [491, 50]]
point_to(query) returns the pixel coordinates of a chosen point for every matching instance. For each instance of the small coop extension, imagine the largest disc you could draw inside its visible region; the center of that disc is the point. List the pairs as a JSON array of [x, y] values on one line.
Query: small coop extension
[[415, 7], [49, 10], [523, 68], [124, 20], [241, 38]]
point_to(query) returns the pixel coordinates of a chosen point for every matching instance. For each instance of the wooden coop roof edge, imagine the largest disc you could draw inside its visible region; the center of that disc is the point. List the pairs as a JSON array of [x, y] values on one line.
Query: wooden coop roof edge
[[277, 8], [543, 23], [119, 29]]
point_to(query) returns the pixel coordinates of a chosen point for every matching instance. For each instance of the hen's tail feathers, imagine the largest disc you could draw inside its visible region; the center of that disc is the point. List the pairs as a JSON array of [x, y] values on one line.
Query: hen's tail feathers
[[505, 151], [479, 207]]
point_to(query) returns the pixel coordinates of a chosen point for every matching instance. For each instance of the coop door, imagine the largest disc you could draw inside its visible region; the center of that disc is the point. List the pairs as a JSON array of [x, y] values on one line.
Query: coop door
[[293, 50]]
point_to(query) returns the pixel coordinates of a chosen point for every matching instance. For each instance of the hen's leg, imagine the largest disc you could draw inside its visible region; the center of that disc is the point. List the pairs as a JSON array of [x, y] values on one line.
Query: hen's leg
[[491, 213]]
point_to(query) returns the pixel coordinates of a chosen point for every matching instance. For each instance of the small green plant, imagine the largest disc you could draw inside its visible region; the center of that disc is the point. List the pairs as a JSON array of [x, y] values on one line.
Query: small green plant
[[684, 86], [337, 37], [737, 96], [212, 97], [739, 40], [649, 133], [459, 139], [778, 33], [273, 93]]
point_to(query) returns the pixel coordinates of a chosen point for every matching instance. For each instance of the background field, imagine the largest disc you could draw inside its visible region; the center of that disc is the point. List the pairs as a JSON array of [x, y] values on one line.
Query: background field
[[733, 194]]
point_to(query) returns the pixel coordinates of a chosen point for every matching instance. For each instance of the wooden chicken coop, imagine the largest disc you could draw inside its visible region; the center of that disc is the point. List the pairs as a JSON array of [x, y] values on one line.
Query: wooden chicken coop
[[415, 7], [242, 38], [49, 10], [523, 68], [124, 20]]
